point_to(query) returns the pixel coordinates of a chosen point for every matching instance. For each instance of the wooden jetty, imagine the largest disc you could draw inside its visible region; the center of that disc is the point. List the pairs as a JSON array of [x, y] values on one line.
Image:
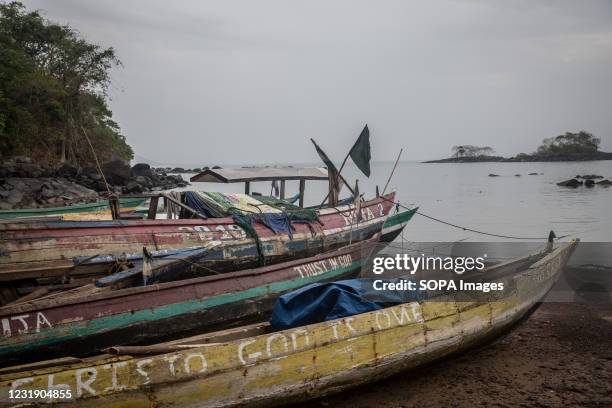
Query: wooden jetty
[[253, 366]]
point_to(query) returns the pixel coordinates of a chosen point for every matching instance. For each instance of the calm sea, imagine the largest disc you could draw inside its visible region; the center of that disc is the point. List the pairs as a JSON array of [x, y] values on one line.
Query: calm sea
[[464, 194], [514, 203]]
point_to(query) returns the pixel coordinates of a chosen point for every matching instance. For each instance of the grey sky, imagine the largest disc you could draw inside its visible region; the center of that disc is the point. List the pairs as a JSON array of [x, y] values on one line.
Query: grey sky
[[251, 81]]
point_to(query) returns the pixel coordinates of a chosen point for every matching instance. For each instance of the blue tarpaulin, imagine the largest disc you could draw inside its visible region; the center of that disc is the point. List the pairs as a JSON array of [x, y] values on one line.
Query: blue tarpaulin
[[320, 302]]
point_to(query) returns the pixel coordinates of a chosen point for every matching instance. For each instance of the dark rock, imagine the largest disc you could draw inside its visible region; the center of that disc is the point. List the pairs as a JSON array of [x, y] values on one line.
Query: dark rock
[[604, 183], [67, 170], [591, 177], [142, 169], [177, 170], [533, 174], [117, 172], [589, 183], [570, 183], [90, 171], [517, 175], [217, 167], [36, 192], [490, 175], [30, 170], [133, 187]]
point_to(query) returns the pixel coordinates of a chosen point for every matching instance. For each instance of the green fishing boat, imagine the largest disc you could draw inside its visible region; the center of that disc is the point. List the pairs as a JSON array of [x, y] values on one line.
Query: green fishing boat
[[98, 210]]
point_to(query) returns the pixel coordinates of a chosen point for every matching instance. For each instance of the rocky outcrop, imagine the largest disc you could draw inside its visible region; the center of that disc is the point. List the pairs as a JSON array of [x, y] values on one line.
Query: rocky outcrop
[[570, 183], [26, 192], [25, 184]]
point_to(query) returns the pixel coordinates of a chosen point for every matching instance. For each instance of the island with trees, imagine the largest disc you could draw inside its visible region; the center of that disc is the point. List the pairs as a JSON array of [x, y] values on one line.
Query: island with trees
[[580, 146]]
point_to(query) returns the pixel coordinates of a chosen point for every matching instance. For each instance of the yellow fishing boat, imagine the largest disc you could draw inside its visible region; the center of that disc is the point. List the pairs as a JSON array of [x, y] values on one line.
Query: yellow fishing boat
[[255, 366]]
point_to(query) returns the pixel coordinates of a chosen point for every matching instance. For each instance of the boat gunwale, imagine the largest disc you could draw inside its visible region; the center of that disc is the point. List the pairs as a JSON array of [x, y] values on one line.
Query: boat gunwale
[[263, 270], [20, 225]]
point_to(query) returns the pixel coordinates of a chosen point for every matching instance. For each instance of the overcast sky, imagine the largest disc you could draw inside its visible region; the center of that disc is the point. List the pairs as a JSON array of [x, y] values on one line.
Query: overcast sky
[[251, 81]]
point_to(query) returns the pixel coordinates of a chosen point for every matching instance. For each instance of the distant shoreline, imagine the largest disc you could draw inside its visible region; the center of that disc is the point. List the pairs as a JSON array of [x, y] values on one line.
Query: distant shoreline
[[526, 158]]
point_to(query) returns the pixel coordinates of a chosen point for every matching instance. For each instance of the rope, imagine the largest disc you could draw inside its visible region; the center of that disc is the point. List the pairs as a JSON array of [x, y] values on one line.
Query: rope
[[470, 229], [97, 162]]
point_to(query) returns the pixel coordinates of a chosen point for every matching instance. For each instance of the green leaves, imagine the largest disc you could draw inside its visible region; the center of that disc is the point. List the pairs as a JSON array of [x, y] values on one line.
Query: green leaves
[[53, 83]]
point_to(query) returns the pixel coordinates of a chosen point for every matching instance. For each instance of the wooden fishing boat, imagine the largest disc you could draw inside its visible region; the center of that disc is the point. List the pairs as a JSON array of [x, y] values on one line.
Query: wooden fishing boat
[[395, 223], [47, 250], [252, 366], [88, 318], [98, 210]]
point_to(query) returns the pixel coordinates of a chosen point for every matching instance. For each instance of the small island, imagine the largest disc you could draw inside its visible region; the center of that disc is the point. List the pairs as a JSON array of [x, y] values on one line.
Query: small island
[[580, 146]]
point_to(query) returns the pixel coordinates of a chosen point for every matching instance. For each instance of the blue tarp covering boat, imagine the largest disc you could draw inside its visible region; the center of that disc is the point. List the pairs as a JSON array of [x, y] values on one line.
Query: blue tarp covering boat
[[319, 302]]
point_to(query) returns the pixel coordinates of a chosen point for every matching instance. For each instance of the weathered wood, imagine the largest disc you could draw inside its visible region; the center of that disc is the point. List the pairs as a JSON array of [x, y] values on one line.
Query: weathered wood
[[304, 362], [47, 249], [282, 189], [153, 208], [302, 190], [90, 317], [247, 187]]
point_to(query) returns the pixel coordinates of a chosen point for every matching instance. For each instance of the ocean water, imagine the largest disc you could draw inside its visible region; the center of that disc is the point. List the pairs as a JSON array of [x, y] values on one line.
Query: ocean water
[[522, 206], [463, 194]]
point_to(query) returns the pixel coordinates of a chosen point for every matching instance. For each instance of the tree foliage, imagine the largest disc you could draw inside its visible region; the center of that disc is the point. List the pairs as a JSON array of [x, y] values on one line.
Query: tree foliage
[[472, 151], [53, 91], [569, 144]]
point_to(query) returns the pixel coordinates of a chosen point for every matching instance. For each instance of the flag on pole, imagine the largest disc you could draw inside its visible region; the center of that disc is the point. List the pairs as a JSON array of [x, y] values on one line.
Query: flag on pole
[[360, 152], [333, 175]]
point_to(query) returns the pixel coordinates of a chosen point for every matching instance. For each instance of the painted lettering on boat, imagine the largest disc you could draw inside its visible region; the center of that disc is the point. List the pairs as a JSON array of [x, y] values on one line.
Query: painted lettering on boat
[[367, 214], [323, 266], [221, 232], [116, 376], [25, 323]]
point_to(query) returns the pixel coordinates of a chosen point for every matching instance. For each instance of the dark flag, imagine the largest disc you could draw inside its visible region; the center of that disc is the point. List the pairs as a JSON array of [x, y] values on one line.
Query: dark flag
[[334, 178], [360, 152]]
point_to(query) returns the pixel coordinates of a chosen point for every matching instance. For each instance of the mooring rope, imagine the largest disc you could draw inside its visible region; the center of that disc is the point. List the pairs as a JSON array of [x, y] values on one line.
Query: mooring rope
[[471, 229]]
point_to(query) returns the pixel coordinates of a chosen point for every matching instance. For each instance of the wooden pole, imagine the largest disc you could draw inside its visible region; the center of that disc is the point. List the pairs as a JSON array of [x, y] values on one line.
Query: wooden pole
[[302, 189], [247, 187], [339, 171], [392, 171], [282, 189], [153, 207]]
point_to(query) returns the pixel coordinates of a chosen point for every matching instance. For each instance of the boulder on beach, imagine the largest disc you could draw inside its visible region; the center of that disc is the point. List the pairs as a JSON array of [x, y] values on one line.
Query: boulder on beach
[[532, 174], [590, 177], [517, 175], [142, 169], [493, 175], [589, 183], [604, 183], [570, 183], [117, 172], [24, 192]]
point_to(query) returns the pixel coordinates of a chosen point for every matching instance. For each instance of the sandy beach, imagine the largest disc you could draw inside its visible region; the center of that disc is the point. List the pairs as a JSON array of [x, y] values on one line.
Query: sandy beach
[[559, 357]]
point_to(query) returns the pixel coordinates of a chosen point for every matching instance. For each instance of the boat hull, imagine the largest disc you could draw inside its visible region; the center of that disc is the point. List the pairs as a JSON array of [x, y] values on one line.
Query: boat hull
[[88, 319], [97, 210], [305, 362], [47, 250]]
